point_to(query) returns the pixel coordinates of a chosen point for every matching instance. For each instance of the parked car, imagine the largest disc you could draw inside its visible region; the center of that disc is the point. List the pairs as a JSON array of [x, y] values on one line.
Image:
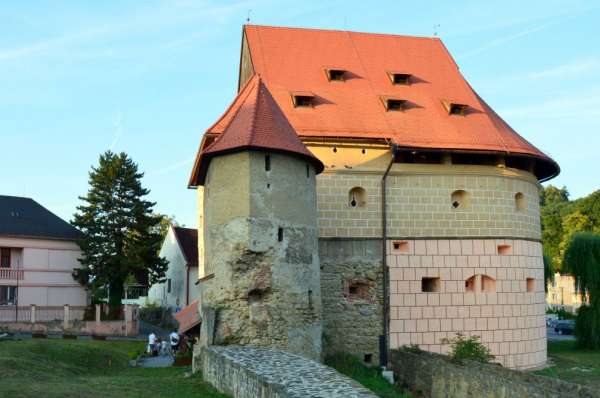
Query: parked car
[[564, 326]]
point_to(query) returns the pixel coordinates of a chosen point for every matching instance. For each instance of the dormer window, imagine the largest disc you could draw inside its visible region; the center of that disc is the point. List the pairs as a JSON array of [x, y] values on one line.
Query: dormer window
[[454, 108], [337, 75], [303, 100], [394, 104], [399, 78]]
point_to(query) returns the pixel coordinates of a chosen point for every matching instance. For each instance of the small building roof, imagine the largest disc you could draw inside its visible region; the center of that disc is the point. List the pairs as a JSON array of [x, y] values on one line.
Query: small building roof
[[188, 242], [188, 317], [253, 121], [295, 60], [24, 217]]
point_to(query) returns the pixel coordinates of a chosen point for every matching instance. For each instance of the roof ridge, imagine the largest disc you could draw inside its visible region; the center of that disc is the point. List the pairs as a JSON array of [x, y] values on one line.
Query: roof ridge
[[343, 30]]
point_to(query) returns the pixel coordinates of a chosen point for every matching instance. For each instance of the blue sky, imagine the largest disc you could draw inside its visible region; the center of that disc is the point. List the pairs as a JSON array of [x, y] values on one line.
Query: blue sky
[[147, 77]]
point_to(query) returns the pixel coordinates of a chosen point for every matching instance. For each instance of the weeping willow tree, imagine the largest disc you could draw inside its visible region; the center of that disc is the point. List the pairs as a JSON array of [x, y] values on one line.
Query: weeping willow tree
[[582, 261]]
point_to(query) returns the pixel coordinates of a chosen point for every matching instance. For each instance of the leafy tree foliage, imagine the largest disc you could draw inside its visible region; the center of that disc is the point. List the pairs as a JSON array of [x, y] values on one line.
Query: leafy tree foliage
[[549, 271], [582, 261], [121, 234]]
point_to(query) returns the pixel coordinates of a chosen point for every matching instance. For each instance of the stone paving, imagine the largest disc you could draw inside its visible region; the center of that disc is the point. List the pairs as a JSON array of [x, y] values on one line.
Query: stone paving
[[291, 375]]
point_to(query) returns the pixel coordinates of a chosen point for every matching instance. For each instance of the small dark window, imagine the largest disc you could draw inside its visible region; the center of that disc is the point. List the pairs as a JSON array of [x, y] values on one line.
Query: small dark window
[[368, 358], [5, 257], [364, 151], [400, 246], [394, 104], [310, 300], [169, 285], [353, 289], [530, 285], [303, 100], [455, 109], [460, 198], [334, 149], [430, 285], [307, 171], [336, 75], [504, 250], [399, 78], [267, 162], [280, 234], [268, 186]]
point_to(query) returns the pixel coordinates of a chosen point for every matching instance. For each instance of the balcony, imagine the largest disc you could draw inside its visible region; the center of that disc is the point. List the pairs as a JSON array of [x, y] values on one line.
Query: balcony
[[11, 273]]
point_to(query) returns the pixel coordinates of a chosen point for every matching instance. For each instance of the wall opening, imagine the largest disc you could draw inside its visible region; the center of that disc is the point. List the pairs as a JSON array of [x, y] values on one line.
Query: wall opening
[[368, 358], [267, 162], [430, 285], [357, 197], [488, 284], [357, 289], [256, 296], [530, 285], [307, 171], [460, 199], [169, 285], [520, 202], [400, 246], [310, 299], [504, 250], [470, 284], [280, 234]]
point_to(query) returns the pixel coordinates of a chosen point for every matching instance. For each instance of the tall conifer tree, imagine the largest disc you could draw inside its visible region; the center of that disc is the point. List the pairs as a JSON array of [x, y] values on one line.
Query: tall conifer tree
[[121, 234]]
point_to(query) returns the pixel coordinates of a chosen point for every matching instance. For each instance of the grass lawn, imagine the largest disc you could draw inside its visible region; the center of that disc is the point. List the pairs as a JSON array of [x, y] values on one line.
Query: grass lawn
[[369, 377], [75, 368], [572, 364]]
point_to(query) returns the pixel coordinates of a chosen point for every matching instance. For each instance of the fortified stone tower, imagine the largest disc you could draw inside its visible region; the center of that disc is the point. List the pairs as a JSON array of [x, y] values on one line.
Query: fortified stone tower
[[261, 263]]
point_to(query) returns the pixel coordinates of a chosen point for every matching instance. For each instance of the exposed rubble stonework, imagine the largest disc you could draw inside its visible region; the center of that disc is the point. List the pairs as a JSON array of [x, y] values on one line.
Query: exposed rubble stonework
[[351, 286], [261, 241]]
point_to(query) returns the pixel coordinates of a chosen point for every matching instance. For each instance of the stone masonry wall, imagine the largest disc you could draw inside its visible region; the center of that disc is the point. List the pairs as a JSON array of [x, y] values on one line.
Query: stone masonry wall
[[431, 375], [482, 290], [420, 204], [352, 296]]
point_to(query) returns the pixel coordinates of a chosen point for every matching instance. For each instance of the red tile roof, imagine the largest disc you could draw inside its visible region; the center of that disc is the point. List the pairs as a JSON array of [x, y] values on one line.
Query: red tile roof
[[188, 317], [252, 122], [188, 242], [294, 60]]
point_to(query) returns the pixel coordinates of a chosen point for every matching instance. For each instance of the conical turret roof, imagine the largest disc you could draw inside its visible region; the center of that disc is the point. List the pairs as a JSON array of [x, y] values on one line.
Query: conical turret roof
[[254, 121]]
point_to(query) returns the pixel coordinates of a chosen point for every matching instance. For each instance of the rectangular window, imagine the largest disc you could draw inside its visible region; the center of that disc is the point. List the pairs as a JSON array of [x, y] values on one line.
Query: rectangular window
[[5, 257], [8, 295], [430, 285], [168, 285], [267, 162]]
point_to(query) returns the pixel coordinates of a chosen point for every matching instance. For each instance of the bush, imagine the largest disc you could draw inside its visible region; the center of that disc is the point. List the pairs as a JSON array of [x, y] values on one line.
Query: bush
[[468, 348], [587, 327], [158, 316]]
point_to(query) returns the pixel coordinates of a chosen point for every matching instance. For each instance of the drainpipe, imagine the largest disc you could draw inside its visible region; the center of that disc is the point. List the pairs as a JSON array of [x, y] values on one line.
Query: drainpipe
[[383, 340]]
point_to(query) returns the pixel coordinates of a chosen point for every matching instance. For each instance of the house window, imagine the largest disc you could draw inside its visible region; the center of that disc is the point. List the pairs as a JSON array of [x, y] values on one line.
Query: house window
[[5, 257], [460, 199], [303, 100], [504, 250], [399, 78], [280, 234], [368, 358], [169, 285], [454, 108], [430, 285], [335, 75], [520, 202], [394, 104], [357, 197], [307, 171], [267, 162], [8, 295]]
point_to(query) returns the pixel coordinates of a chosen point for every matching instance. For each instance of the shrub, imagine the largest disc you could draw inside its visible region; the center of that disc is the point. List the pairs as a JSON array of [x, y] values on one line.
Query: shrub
[[468, 348]]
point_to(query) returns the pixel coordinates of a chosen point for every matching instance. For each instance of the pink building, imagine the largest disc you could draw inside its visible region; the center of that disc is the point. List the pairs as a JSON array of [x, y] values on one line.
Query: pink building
[[38, 253]]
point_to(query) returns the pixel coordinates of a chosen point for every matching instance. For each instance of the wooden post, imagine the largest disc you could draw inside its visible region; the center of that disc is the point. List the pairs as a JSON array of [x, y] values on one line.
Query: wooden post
[[66, 317], [97, 313], [32, 313]]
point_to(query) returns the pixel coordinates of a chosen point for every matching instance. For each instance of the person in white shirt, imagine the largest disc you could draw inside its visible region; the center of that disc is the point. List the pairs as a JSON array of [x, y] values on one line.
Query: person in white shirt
[[151, 343], [174, 339]]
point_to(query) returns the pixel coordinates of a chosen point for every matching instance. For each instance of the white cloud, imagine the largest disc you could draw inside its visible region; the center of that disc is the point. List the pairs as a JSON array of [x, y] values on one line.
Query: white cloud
[[570, 69]]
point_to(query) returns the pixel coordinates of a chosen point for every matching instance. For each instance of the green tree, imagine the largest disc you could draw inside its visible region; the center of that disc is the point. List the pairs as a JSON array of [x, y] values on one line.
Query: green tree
[[582, 261], [553, 195], [121, 234], [549, 271], [554, 204], [165, 222]]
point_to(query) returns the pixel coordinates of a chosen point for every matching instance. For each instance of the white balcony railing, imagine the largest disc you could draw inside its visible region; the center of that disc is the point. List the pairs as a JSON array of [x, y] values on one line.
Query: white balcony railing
[[11, 273]]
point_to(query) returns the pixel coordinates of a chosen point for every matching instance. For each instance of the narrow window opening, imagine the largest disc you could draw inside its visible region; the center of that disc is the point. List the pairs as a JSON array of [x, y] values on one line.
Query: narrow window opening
[[400, 246], [364, 151], [268, 186], [280, 234], [268, 162], [5, 257], [334, 149], [368, 358], [430, 285], [454, 108], [256, 296], [394, 104], [310, 300], [338, 75], [357, 197], [504, 250], [520, 202], [307, 171], [460, 199], [169, 285], [303, 100], [530, 285], [470, 284], [353, 289], [399, 78]]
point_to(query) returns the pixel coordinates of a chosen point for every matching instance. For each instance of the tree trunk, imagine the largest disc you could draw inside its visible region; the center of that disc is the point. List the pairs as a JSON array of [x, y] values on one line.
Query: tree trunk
[[114, 298]]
